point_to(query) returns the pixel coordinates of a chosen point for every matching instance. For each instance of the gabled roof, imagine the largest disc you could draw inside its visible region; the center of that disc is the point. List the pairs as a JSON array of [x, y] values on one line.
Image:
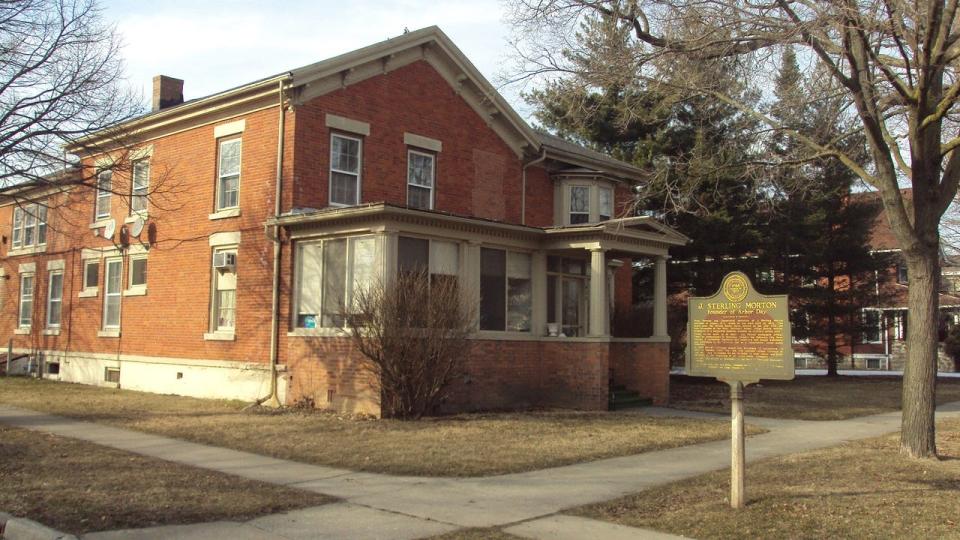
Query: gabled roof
[[427, 44]]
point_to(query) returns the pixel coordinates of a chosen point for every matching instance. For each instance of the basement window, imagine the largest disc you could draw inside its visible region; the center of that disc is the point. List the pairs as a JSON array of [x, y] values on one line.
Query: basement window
[[111, 375]]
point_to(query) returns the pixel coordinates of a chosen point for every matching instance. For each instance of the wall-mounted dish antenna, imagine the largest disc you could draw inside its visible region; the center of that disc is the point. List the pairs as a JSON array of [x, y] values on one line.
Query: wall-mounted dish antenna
[[136, 227], [110, 229]]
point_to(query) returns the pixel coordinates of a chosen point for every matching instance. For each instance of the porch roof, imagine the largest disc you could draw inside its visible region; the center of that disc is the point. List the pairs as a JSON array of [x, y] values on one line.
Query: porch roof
[[633, 235]]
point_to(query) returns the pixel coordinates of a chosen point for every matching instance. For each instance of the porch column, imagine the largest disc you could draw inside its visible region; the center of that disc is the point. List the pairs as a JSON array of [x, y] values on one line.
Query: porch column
[[660, 297], [599, 312], [538, 321]]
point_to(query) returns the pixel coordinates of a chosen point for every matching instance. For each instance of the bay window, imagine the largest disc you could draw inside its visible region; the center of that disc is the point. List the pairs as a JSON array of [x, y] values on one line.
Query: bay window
[[606, 203], [345, 159], [505, 290], [579, 204]]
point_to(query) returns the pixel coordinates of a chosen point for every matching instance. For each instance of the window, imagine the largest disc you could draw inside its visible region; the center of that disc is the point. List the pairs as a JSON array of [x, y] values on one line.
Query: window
[[111, 375], [228, 174], [331, 273], [345, 156], [140, 187], [505, 290], [440, 258], [26, 300], [104, 191], [224, 302], [579, 204], [900, 325], [567, 294], [606, 203], [91, 274], [800, 326], [138, 272], [873, 363], [29, 226], [420, 171], [902, 274], [111, 299], [54, 298], [871, 326], [766, 275]]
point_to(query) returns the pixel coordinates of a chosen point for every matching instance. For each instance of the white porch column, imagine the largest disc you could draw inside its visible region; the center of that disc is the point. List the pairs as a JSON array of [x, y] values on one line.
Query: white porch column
[[598, 293], [388, 256], [660, 297]]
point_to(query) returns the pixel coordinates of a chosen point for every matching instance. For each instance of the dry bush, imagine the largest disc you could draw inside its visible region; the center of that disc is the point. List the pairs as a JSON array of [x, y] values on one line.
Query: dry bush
[[414, 334]]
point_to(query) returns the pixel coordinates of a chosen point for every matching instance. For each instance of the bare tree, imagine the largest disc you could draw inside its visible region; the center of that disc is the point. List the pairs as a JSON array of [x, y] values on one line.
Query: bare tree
[[893, 62], [61, 79], [414, 334]]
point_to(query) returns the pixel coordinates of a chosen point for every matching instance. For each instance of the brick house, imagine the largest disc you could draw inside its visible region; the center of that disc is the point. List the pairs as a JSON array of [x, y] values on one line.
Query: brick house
[[882, 344], [271, 201]]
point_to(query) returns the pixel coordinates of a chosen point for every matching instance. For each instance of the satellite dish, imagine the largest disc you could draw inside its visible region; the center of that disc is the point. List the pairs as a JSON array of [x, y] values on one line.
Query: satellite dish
[[110, 229], [136, 227]]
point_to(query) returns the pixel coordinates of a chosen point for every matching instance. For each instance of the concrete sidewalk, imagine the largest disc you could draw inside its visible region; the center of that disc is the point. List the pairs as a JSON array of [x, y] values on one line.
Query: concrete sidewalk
[[410, 507]]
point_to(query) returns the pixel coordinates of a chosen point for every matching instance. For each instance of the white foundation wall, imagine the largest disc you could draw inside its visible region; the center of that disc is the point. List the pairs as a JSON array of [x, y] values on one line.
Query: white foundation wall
[[183, 377]]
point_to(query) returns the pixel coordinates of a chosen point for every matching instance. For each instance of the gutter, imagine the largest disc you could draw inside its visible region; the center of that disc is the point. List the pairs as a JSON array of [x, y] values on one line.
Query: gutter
[[273, 400]]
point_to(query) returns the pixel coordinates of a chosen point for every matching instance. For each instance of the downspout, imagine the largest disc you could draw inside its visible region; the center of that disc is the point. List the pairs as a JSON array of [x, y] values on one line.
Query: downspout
[[273, 400], [523, 185]]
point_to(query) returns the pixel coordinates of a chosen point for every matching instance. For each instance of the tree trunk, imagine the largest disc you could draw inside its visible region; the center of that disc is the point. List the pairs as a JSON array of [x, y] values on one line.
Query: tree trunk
[[918, 431]]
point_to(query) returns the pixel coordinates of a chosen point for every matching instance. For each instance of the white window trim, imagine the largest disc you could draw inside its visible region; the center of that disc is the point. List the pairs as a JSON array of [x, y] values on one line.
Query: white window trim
[[217, 202], [103, 194], [214, 332], [880, 329], [135, 290], [50, 275], [133, 178], [506, 293], [347, 124], [89, 292], [106, 295], [569, 200], [613, 209], [230, 128], [33, 296], [593, 213], [223, 214], [359, 173], [321, 330], [433, 178], [419, 141], [17, 247]]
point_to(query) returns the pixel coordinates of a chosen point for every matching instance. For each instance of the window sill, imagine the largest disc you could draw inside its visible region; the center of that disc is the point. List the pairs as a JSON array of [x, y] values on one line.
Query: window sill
[[13, 252], [99, 223], [88, 293], [139, 291], [51, 331], [226, 213], [22, 331], [220, 336], [109, 333], [135, 216], [318, 332]]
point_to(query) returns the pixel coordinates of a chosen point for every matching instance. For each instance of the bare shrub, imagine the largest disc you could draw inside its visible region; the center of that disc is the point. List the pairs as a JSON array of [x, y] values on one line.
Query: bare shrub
[[414, 335]]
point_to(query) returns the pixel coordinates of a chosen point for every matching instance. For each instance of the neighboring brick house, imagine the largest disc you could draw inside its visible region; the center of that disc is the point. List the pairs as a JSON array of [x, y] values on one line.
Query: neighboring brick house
[[882, 345], [398, 154]]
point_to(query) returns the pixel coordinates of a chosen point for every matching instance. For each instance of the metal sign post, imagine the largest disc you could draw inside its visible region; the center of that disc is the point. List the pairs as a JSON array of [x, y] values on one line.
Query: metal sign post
[[739, 336]]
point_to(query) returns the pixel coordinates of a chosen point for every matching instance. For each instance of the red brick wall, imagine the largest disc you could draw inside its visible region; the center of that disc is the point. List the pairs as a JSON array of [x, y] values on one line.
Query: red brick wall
[[330, 372], [643, 368], [173, 316], [477, 174]]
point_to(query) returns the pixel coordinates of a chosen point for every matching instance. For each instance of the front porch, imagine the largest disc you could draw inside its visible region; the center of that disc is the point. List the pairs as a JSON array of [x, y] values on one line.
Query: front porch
[[546, 298]]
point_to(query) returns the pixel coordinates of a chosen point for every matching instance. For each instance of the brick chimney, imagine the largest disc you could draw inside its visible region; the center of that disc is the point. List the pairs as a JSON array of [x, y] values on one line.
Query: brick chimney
[[167, 92]]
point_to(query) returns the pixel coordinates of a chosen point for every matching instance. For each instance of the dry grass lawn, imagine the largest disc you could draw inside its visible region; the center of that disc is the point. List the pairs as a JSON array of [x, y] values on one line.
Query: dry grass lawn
[[465, 445], [858, 490], [804, 398], [79, 487]]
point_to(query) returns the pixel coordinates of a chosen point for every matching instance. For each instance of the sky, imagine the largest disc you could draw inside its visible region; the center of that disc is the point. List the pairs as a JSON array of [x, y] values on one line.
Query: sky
[[216, 45]]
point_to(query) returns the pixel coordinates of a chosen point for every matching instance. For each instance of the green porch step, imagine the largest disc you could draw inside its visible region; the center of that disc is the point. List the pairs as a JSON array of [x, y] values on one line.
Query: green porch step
[[621, 398]]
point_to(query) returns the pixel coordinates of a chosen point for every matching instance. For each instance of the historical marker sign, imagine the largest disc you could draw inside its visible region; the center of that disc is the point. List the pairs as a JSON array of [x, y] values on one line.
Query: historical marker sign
[[739, 336]]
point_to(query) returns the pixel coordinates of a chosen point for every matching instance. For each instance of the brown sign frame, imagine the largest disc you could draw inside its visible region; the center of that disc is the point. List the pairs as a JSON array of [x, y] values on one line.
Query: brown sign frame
[[737, 301]]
